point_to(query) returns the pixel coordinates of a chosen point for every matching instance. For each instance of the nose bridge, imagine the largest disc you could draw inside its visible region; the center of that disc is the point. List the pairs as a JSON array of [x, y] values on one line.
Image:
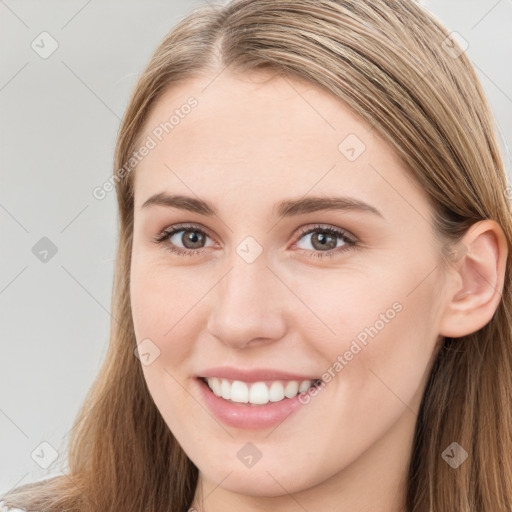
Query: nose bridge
[[247, 303], [247, 281]]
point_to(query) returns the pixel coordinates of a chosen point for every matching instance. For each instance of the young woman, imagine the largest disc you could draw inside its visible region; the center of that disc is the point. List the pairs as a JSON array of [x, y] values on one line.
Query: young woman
[[312, 292]]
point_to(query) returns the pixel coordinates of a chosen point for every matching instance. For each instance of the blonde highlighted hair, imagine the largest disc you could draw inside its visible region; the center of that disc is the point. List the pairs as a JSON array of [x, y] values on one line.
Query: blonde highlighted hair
[[387, 61]]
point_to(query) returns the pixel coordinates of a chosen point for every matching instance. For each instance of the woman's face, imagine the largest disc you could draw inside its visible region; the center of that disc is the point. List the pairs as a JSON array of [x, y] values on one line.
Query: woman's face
[[262, 285]]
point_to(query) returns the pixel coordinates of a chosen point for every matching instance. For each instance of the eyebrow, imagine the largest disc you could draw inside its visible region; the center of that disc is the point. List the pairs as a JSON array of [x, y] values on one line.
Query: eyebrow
[[285, 208]]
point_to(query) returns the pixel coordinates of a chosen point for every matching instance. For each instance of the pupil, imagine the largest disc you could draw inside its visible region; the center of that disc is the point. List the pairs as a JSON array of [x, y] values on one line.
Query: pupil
[[192, 237], [323, 239]]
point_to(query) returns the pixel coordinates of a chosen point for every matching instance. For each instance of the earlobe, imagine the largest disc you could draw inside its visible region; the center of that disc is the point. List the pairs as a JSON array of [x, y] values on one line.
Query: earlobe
[[477, 281]]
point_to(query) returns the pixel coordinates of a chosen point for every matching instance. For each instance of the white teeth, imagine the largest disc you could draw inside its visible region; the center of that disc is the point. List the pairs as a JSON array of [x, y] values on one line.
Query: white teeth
[[304, 386], [277, 392], [225, 388], [239, 392], [257, 393], [292, 388], [215, 386]]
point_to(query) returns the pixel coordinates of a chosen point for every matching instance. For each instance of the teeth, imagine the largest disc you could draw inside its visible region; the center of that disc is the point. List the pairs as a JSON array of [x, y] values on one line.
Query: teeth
[[239, 392], [257, 393], [292, 388], [225, 389]]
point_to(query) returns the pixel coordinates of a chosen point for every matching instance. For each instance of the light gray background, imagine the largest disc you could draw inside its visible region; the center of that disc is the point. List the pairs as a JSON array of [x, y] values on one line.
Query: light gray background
[[59, 121]]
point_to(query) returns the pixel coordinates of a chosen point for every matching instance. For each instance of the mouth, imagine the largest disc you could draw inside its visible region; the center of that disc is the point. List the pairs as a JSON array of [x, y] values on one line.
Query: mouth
[[257, 393]]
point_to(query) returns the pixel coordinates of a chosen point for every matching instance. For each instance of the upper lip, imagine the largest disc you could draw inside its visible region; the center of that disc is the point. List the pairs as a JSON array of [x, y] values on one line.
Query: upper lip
[[253, 375]]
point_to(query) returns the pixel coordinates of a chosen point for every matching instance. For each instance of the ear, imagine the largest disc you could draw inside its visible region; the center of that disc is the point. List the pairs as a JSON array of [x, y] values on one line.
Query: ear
[[476, 282]]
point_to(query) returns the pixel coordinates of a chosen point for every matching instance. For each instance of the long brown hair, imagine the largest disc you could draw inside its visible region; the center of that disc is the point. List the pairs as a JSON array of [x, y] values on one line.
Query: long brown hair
[[391, 62]]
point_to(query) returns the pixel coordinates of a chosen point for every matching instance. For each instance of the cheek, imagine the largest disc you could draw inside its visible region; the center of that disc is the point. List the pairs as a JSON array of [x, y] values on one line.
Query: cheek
[[162, 303], [390, 301], [377, 335], [389, 337], [161, 299]]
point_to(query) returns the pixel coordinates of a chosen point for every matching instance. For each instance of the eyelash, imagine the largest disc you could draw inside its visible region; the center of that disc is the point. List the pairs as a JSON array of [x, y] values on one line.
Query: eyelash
[[162, 239]]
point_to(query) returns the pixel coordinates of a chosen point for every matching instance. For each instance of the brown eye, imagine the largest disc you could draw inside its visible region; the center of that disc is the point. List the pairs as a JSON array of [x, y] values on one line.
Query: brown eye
[[192, 238], [183, 240], [323, 241]]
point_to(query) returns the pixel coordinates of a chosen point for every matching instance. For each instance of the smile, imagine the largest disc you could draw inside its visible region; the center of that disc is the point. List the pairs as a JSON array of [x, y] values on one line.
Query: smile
[[257, 393], [244, 414]]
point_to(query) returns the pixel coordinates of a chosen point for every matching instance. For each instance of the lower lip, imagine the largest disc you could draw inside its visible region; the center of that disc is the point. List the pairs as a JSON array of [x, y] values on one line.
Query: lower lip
[[242, 415]]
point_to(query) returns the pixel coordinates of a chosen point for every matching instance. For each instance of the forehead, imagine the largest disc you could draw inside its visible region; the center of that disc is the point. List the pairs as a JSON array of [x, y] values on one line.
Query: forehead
[[261, 135]]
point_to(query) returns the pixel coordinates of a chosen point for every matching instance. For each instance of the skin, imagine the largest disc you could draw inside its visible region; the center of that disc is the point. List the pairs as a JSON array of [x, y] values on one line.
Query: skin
[[252, 141]]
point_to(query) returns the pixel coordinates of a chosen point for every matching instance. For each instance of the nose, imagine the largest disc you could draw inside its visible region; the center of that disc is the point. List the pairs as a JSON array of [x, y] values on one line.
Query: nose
[[249, 305]]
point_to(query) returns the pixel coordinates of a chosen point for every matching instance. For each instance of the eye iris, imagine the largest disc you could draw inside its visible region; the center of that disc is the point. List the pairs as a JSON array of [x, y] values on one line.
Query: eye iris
[[194, 237], [322, 240]]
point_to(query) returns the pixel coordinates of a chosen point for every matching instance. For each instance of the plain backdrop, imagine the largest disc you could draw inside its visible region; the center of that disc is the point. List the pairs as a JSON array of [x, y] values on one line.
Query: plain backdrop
[[59, 118]]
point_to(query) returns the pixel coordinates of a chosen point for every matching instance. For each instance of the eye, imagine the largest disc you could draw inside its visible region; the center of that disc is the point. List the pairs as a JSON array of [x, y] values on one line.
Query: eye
[[192, 239], [324, 243]]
